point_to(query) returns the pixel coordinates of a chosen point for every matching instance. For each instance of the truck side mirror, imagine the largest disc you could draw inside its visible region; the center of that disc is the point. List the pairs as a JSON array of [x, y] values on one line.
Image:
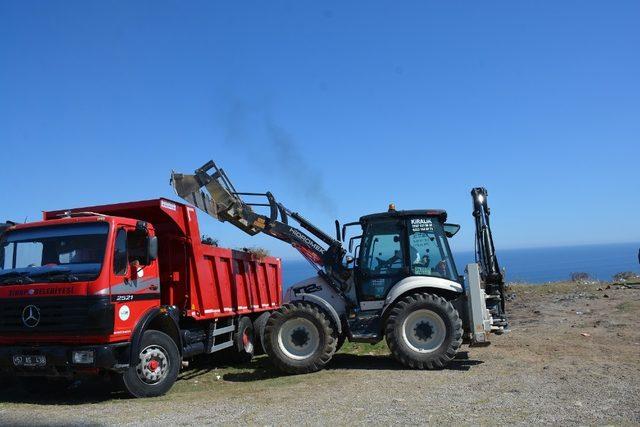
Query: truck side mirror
[[152, 249]]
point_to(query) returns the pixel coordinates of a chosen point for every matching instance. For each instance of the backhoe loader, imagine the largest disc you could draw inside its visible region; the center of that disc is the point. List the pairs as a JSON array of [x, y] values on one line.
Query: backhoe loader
[[398, 283]]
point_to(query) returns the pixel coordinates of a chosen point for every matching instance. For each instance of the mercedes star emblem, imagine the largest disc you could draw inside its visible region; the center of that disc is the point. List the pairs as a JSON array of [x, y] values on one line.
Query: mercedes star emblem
[[31, 316]]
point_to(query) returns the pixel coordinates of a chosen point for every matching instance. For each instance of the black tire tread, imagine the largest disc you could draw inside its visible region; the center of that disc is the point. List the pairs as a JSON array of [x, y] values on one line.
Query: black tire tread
[[240, 355], [259, 325], [439, 359], [291, 310], [130, 380]]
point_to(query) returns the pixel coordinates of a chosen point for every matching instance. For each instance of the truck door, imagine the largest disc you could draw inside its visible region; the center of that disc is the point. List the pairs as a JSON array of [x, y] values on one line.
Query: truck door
[[134, 287], [175, 271], [381, 262]]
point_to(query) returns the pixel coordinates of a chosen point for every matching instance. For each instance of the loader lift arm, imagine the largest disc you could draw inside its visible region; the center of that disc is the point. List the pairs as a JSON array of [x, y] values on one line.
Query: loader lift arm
[[485, 254], [214, 194]]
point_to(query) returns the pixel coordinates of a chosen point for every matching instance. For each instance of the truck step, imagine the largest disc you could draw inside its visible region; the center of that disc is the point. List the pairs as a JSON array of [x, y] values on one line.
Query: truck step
[[221, 346], [225, 330]]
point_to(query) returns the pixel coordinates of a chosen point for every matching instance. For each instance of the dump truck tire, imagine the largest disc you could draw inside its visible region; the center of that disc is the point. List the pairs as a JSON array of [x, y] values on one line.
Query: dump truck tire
[[299, 338], [157, 369], [244, 340], [258, 329], [423, 331]]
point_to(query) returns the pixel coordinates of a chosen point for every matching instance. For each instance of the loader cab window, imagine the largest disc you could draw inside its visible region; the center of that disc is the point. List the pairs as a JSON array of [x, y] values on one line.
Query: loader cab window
[[120, 255], [429, 252], [381, 260], [382, 248]]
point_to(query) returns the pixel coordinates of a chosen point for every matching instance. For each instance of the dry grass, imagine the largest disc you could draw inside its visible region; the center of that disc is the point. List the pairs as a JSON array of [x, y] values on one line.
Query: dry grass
[[257, 252]]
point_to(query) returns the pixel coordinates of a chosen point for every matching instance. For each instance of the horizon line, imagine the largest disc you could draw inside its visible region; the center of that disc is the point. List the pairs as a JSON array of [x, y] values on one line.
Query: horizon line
[[523, 248]]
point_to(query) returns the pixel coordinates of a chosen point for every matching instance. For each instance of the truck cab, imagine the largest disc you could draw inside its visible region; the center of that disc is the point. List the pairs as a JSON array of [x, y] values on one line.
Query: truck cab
[[81, 279]]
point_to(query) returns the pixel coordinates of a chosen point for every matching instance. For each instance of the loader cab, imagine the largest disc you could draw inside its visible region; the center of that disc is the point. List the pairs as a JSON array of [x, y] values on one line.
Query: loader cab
[[399, 244]]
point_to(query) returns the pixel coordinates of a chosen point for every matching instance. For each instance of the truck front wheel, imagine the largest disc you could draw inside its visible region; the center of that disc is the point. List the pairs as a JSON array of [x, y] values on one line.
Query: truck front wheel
[[299, 338], [424, 331], [157, 369]]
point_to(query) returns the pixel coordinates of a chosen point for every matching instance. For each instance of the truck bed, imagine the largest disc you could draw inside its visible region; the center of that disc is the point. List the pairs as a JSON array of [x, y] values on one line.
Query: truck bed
[[234, 282]]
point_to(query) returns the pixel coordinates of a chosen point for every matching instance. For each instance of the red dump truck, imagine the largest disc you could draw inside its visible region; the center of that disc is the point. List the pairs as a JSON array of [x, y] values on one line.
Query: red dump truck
[[128, 290]]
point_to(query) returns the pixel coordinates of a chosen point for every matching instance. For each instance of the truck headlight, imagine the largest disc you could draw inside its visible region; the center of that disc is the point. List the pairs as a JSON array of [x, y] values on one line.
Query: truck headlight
[[82, 357]]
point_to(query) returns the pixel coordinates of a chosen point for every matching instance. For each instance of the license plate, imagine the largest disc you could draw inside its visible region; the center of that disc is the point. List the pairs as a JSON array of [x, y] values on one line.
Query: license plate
[[29, 360]]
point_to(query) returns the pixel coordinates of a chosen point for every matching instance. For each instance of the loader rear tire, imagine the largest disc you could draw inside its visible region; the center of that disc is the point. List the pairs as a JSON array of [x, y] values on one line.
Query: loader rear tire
[[299, 338], [423, 331]]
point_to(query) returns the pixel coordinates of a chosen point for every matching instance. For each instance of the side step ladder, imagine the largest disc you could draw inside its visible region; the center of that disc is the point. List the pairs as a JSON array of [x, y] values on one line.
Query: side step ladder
[[220, 335]]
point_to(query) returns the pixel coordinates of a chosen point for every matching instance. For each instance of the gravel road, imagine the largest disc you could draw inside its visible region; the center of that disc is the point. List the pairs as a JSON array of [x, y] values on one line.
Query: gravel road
[[572, 358]]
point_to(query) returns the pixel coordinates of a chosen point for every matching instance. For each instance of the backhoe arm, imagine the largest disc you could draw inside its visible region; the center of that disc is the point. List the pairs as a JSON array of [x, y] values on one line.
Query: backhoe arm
[[486, 255], [485, 250]]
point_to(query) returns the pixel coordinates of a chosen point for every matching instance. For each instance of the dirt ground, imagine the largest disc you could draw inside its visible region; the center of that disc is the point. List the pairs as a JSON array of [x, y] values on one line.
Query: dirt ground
[[572, 358]]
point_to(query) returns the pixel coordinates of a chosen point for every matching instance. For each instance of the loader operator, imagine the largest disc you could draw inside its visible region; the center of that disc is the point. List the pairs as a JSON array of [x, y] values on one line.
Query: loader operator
[[422, 263]]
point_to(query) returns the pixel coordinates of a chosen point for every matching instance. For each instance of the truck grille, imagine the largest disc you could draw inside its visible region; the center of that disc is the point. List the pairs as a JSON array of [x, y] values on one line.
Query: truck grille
[[64, 315]]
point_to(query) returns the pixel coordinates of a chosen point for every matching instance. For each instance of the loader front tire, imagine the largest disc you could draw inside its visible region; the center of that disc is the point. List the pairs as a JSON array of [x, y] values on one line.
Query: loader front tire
[[299, 338], [423, 331]]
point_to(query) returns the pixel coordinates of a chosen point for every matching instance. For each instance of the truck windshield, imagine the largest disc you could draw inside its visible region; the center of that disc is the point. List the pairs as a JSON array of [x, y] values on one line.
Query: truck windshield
[[429, 249], [61, 253]]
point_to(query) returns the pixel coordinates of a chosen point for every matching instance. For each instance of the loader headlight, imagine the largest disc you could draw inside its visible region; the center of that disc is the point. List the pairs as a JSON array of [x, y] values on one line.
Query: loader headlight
[[82, 357]]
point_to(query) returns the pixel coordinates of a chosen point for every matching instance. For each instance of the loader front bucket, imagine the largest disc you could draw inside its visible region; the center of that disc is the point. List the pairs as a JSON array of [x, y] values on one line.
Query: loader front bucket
[[188, 188], [215, 195]]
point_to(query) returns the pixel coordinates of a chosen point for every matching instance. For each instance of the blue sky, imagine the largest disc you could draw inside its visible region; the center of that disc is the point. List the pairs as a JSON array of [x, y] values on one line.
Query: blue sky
[[336, 108]]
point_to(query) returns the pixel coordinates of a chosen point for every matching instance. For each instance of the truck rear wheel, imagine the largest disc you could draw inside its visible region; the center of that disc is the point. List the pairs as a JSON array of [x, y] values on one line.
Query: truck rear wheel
[[424, 331], [299, 338], [258, 330], [244, 340], [157, 368]]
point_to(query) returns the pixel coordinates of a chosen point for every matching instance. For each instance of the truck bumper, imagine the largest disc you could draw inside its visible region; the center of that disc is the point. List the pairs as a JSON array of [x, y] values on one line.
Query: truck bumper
[[59, 360]]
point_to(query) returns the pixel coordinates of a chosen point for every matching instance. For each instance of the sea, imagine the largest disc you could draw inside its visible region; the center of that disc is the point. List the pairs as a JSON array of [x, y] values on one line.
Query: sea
[[535, 265]]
